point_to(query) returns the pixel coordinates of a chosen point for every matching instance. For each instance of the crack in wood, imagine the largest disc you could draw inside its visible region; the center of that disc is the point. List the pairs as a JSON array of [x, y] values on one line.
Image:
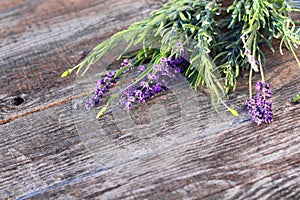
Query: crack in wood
[[5, 121]]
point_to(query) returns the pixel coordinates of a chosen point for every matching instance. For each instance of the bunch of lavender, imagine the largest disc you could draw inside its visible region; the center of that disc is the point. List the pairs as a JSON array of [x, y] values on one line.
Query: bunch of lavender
[[249, 24], [259, 107]]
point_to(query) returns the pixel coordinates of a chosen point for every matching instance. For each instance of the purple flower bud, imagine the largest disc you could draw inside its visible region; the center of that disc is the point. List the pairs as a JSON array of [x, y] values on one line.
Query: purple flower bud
[[142, 68], [128, 105], [97, 101], [110, 75], [99, 92], [144, 84], [177, 69], [259, 86], [157, 88], [163, 60], [267, 93], [88, 104], [126, 62], [247, 52], [100, 83], [151, 76], [131, 99]]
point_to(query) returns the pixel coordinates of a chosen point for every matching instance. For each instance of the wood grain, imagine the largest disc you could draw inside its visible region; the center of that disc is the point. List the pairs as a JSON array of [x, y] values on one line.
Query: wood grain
[[174, 148]]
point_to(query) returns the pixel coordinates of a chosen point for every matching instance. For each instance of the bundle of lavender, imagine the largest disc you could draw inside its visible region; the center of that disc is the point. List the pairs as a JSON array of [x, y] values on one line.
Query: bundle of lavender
[[190, 27]]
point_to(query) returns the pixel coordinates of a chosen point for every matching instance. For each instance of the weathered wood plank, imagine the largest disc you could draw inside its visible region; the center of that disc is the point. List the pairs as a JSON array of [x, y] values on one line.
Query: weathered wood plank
[[266, 161], [52, 152]]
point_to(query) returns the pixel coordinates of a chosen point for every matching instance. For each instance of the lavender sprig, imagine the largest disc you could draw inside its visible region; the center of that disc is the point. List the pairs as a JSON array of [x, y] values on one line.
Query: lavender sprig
[[104, 84], [259, 107]]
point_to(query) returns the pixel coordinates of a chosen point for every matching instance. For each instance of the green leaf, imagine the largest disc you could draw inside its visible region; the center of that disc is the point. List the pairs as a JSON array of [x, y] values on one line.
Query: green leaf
[[233, 112], [182, 17], [120, 71], [101, 112]]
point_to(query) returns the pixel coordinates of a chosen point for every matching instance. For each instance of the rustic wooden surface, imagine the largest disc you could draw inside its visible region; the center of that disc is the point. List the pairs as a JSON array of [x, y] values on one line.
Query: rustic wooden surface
[[49, 151]]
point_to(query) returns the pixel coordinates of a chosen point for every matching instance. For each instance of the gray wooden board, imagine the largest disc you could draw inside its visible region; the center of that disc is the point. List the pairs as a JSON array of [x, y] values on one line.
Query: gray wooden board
[[175, 147]]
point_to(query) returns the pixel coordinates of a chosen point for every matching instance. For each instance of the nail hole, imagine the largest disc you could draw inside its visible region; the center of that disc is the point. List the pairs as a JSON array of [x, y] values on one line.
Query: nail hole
[[18, 101]]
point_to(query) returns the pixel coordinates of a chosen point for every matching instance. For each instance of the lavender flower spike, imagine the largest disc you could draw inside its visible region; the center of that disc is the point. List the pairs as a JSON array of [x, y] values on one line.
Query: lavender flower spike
[[259, 108]]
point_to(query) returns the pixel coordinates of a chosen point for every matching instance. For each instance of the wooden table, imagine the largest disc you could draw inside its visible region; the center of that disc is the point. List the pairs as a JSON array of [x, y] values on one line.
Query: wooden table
[[176, 146]]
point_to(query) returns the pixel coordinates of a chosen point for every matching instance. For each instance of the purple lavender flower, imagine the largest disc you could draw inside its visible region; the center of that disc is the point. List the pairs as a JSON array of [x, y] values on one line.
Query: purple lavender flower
[[152, 76], [247, 52], [157, 88], [126, 63], [128, 105], [142, 68], [267, 93], [103, 86], [259, 86], [259, 108], [89, 103]]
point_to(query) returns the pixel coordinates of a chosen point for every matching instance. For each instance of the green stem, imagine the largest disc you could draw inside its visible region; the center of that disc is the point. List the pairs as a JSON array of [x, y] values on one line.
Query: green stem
[[250, 83], [261, 69], [293, 52], [253, 53]]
